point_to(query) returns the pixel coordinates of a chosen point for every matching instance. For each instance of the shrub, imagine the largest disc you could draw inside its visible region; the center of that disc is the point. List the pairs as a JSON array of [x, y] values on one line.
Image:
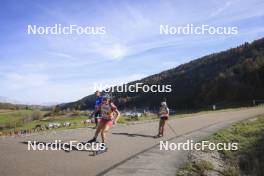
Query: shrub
[[36, 115], [121, 120], [231, 171], [203, 166]]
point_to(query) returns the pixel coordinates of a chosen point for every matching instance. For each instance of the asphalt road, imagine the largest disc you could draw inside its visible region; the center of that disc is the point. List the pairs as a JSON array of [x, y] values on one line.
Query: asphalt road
[[124, 142]]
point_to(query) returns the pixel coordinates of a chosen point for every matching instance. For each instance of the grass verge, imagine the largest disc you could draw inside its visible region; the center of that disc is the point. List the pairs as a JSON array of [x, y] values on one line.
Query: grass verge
[[247, 160]]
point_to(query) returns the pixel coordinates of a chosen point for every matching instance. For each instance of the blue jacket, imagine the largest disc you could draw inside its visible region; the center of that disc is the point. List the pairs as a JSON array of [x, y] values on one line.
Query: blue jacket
[[98, 102]]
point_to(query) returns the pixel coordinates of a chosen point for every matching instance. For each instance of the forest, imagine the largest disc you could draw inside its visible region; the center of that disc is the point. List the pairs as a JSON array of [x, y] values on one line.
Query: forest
[[230, 78]]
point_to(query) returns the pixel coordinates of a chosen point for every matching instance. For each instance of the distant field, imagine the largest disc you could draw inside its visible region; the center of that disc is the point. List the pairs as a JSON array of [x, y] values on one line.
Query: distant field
[[11, 116], [15, 120], [75, 122], [11, 120], [5, 110]]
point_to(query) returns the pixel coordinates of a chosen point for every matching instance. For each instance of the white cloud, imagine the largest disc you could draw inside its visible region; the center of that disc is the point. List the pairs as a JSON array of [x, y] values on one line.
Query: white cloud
[[229, 12], [221, 9], [62, 55], [132, 30], [38, 89], [19, 81], [34, 66], [115, 52]]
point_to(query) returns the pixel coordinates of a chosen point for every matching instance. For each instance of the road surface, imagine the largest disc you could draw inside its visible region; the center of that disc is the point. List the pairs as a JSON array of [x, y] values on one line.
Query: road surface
[[125, 143]]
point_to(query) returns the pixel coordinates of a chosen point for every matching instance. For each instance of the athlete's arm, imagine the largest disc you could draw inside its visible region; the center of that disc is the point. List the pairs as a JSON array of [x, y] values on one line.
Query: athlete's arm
[[159, 114], [117, 115]]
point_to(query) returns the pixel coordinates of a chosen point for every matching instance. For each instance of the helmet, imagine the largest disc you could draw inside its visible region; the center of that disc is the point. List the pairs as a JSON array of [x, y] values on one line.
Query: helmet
[[106, 96], [163, 103]]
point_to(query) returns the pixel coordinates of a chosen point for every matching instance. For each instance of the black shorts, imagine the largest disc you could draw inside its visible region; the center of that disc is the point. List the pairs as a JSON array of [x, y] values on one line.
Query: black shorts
[[97, 114], [164, 118]]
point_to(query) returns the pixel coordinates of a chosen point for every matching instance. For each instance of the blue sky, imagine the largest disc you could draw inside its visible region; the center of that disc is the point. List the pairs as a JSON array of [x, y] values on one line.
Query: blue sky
[[61, 68]]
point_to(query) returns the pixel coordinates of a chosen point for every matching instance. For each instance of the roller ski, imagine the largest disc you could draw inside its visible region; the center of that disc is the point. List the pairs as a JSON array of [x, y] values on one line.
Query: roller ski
[[101, 151]]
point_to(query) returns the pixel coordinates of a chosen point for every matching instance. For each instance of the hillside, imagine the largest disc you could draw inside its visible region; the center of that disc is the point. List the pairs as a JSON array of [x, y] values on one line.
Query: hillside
[[233, 77]]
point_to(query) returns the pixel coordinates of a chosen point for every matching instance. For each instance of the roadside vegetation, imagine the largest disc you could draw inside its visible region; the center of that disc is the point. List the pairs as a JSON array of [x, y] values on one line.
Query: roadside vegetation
[[28, 121], [247, 160], [23, 120], [19, 121]]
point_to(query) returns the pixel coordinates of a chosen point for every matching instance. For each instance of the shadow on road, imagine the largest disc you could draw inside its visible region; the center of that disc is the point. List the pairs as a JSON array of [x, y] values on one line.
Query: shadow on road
[[134, 135]]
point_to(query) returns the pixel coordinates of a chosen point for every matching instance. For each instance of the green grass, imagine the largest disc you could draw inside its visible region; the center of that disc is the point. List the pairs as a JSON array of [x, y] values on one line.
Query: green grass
[[75, 118], [15, 119], [76, 122], [198, 168], [248, 159], [10, 116], [250, 138]]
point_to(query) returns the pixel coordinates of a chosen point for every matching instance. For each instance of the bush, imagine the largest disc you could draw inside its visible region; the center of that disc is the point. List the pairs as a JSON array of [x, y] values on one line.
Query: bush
[[47, 114], [203, 166], [231, 171], [36, 115], [121, 120], [14, 124], [76, 113]]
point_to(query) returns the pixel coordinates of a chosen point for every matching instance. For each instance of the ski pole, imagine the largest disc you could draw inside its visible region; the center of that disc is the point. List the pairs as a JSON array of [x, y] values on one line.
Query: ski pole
[[172, 129]]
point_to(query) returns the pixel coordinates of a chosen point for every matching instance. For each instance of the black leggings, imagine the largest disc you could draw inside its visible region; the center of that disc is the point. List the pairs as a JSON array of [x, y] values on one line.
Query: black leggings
[[96, 115]]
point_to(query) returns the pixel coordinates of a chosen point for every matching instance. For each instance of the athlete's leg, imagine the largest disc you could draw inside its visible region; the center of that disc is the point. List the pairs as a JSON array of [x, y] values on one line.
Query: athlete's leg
[[96, 115], [96, 121], [104, 131], [159, 132], [162, 126], [98, 130]]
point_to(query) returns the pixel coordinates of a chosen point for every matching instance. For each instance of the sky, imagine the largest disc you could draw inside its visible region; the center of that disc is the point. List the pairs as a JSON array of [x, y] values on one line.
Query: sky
[[40, 69]]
